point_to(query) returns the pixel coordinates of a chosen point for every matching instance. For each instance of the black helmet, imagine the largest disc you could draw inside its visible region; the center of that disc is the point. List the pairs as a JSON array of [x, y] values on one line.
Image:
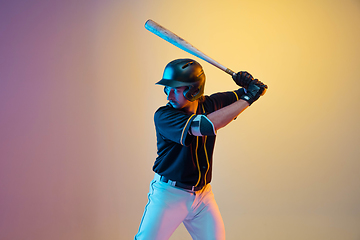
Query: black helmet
[[185, 72]]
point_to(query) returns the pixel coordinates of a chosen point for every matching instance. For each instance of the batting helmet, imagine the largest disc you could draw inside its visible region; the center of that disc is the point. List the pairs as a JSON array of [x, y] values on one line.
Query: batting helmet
[[185, 72]]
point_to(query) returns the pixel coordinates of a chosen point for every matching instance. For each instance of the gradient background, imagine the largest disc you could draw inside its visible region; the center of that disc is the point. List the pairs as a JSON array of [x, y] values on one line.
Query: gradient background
[[77, 99]]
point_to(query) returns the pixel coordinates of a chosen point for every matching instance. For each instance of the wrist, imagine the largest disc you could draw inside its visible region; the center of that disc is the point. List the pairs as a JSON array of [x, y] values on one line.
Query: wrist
[[247, 99]]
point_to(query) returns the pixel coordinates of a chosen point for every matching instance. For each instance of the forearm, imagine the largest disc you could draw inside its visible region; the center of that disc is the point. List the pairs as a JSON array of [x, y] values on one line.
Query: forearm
[[225, 115]]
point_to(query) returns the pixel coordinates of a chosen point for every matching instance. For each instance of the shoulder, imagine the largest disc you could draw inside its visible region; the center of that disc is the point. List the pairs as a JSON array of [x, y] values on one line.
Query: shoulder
[[173, 124], [162, 109], [168, 110], [170, 114]]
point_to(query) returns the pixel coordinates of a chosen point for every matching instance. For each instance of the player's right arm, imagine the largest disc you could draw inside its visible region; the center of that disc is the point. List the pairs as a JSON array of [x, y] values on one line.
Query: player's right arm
[[253, 90], [222, 117]]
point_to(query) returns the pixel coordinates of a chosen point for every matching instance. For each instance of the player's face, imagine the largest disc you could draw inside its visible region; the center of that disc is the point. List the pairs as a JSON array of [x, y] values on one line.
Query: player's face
[[176, 98]]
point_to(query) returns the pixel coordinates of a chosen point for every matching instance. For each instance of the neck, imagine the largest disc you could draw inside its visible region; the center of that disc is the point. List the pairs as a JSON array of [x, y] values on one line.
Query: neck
[[192, 107]]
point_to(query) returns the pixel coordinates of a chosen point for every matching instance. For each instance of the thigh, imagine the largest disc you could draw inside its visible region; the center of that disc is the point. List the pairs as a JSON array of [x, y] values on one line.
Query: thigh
[[164, 212], [207, 223]]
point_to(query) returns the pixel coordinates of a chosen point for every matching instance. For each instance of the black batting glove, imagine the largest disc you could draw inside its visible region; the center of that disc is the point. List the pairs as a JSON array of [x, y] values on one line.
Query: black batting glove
[[259, 84], [243, 79], [254, 91]]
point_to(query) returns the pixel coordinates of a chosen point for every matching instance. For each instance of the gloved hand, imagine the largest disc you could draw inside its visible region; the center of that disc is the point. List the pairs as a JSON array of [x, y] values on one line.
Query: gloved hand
[[254, 90], [243, 79]]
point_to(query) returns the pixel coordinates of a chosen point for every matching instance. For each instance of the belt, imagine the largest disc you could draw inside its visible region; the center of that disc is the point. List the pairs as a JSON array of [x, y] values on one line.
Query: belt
[[177, 184]]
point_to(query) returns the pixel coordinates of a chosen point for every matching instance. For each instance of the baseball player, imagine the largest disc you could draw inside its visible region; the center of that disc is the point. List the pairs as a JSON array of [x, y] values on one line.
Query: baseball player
[[186, 129]]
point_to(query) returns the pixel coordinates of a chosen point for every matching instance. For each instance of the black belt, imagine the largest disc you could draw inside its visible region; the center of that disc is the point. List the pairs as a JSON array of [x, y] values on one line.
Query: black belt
[[180, 185]]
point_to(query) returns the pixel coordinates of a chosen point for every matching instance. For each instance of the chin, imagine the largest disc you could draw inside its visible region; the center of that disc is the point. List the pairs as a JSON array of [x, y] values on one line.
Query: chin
[[174, 105]]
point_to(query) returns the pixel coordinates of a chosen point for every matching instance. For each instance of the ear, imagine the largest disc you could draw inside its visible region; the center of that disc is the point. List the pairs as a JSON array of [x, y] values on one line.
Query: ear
[[185, 92], [191, 92]]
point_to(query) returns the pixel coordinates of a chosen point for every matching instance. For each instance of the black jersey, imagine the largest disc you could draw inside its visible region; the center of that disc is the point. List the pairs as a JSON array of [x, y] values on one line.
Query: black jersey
[[183, 157]]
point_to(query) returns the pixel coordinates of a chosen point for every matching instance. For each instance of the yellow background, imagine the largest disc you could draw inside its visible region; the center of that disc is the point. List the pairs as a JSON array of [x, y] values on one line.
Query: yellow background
[[77, 99]]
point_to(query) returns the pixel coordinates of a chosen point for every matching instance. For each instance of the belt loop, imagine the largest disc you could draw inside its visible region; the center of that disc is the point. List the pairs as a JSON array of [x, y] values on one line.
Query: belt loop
[[192, 188], [172, 183]]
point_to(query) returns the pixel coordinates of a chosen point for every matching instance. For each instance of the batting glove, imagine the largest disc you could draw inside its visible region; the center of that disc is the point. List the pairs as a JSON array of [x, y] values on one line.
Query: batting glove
[[243, 79], [254, 91]]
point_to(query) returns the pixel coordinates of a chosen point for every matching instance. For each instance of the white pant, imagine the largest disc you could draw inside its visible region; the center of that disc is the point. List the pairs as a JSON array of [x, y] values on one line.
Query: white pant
[[168, 206]]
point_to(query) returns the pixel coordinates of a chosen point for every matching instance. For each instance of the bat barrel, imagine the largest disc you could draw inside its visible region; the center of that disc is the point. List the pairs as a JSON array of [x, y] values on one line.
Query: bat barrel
[[174, 39]]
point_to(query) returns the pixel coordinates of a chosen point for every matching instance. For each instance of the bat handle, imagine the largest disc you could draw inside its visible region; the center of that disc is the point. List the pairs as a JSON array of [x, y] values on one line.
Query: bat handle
[[229, 71]]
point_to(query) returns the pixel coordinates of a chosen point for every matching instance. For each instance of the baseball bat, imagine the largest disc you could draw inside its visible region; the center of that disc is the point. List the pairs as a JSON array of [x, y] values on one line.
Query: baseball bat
[[179, 42]]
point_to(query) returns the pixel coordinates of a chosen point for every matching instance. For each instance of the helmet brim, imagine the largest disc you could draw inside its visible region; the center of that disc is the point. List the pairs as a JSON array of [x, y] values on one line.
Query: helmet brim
[[172, 83]]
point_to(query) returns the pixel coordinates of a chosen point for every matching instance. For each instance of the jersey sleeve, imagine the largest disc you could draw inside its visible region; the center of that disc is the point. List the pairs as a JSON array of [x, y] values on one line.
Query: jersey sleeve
[[223, 99], [173, 125]]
